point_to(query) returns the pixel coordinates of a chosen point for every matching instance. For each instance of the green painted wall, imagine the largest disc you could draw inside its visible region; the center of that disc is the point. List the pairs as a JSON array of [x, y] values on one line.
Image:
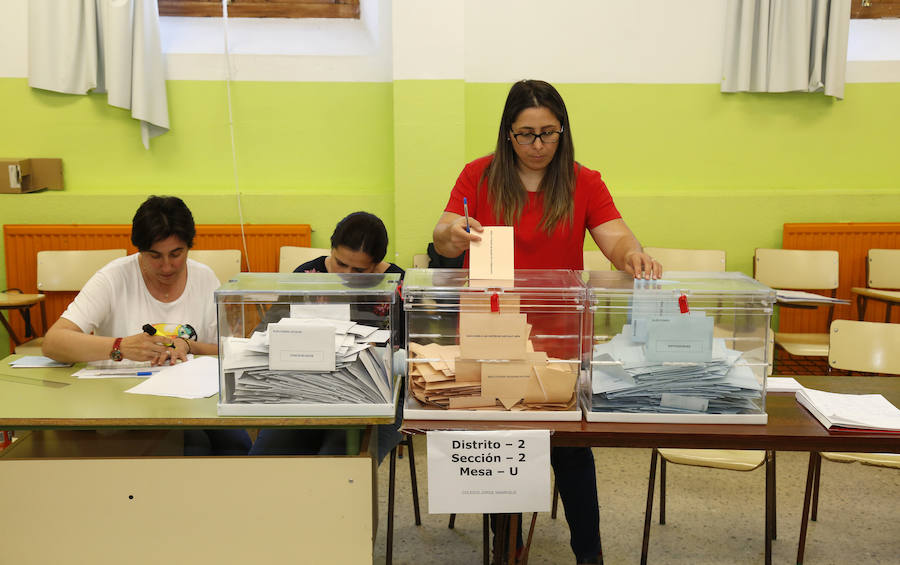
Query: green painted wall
[[687, 165]]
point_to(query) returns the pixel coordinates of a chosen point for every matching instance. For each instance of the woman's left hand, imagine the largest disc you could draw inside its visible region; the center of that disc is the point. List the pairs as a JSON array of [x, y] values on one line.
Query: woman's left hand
[[176, 352], [642, 266]]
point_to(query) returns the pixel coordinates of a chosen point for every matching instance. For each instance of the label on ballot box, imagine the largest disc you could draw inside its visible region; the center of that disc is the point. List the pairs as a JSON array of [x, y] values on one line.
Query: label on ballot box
[[301, 347], [679, 337], [488, 471]]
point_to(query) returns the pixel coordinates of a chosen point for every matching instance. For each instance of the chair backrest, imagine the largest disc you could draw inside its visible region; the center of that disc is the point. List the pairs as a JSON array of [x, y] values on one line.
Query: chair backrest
[[421, 261], [674, 259], [225, 263], [290, 257], [596, 261], [797, 269], [864, 346], [883, 268], [68, 270]]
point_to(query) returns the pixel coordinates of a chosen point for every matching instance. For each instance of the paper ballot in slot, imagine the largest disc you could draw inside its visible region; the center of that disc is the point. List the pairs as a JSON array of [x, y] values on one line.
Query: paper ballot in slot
[[679, 337], [301, 347]]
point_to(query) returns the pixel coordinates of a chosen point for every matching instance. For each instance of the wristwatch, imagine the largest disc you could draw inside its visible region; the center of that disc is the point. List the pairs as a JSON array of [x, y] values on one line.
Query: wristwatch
[[116, 353]]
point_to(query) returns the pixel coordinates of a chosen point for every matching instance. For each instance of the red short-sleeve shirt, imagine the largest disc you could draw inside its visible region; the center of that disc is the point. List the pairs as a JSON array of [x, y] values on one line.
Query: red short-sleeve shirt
[[534, 249]]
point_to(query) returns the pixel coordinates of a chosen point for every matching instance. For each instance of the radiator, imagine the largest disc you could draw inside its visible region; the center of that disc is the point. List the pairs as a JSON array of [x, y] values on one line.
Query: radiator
[[852, 241], [22, 243]]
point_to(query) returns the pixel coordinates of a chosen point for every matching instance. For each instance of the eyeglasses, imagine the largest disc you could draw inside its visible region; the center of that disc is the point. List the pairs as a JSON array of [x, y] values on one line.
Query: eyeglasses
[[546, 137]]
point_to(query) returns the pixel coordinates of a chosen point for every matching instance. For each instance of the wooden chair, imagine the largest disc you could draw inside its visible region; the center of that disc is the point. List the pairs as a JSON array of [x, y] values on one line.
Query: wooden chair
[[596, 261], [882, 273], [66, 271], [673, 259], [290, 257], [225, 263], [799, 269], [734, 460], [22, 303], [871, 347]]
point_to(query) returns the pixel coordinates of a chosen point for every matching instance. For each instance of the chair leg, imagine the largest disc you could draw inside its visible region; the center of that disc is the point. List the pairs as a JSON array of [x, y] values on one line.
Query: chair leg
[[662, 491], [389, 544], [770, 507], [774, 499], [648, 513], [485, 537], [807, 496], [555, 500], [412, 476], [861, 307], [524, 559], [887, 312], [452, 522], [815, 493]]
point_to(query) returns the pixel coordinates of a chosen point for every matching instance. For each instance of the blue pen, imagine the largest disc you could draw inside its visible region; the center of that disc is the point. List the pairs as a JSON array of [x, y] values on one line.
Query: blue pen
[[466, 212], [144, 374]]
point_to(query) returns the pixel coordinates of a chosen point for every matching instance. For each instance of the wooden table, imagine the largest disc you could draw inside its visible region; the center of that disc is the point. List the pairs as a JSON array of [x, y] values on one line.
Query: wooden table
[[104, 477], [790, 427]]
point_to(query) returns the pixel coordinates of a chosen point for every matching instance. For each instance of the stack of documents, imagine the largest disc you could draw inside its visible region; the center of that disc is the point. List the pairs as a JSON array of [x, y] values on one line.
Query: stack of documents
[[440, 378], [310, 360], [847, 412], [624, 380], [789, 296]]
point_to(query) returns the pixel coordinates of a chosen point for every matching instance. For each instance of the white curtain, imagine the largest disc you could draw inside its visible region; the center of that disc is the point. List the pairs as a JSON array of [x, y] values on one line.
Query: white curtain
[[111, 46], [786, 45]]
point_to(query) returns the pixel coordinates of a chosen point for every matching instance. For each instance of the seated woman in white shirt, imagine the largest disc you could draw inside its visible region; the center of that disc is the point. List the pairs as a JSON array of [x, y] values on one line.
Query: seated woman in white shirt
[[158, 286]]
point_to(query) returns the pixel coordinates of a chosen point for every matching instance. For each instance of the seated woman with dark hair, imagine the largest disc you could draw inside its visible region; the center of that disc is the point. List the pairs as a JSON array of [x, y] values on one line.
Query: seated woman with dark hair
[[358, 245], [158, 286]]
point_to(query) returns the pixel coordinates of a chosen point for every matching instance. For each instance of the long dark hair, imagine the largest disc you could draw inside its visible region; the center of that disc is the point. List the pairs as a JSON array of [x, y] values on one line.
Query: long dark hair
[[362, 231], [505, 188]]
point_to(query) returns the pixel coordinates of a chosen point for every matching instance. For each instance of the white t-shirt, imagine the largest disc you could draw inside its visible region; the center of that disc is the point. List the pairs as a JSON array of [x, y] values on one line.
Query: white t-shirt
[[115, 302]]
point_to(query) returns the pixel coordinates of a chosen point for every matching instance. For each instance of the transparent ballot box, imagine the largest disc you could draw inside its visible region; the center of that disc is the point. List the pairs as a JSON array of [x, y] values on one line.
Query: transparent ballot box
[[308, 344], [692, 347], [493, 350]]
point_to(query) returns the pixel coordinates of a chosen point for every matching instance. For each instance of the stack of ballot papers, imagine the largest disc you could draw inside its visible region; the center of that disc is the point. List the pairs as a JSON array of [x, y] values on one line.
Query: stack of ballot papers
[[441, 379], [789, 296], [849, 412], [624, 380], [310, 361]]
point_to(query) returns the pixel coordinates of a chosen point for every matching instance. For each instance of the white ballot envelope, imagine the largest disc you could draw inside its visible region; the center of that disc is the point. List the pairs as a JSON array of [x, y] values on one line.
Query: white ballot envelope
[[305, 347]]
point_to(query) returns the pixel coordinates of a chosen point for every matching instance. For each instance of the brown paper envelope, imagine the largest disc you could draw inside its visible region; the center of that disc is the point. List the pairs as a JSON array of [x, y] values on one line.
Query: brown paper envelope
[[464, 402], [416, 349], [434, 351], [534, 392], [508, 403], [558, 385], [468, 370], [492, 256], [492, 336], [430, 375], [505, 380]]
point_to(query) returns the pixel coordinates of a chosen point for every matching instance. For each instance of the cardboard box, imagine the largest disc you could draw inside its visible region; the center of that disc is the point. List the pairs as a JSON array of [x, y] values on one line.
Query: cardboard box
[[28, 175]]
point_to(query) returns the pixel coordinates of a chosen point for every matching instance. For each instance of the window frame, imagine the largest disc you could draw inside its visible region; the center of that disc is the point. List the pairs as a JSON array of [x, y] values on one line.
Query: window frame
[[874, 9], [347, 9]]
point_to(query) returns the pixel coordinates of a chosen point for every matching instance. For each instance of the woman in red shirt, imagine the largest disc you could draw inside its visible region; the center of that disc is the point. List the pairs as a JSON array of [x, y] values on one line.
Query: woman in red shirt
[[533, 183]]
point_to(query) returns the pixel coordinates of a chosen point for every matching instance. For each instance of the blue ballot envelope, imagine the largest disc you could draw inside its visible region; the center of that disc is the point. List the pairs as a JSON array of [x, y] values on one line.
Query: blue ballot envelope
[[679, 337]]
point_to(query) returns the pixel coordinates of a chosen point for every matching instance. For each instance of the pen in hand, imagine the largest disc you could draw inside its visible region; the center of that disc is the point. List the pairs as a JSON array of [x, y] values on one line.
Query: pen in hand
[[150, 330], [466, 212]]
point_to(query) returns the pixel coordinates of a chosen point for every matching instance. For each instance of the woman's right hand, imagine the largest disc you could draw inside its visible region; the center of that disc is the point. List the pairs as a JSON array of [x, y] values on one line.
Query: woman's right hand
[[144, 347], [450, 236]]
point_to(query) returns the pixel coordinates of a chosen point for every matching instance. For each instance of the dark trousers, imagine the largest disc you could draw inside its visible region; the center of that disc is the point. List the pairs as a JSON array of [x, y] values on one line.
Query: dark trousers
[[216, 442], [576, 480]]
